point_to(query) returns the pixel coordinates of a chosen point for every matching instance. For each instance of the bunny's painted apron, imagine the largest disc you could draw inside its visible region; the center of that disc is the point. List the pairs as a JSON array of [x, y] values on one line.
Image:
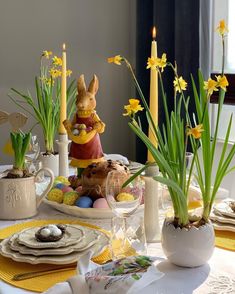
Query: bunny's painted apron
[[84, 154]]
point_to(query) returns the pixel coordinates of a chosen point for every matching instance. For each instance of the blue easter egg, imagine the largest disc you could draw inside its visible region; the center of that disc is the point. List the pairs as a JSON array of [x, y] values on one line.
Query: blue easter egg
[[84, 202], [59, 186]]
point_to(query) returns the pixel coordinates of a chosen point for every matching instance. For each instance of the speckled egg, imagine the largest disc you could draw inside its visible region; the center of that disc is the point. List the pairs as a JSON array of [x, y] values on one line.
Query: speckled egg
[[125, 197], [55, 195], [70, 198], [100, 203], [66, 189], [84, 202], [63, 180]]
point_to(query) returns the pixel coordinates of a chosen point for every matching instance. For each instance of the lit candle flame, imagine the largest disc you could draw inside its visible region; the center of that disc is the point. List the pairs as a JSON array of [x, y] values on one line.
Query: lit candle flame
[[64, 47], [154, 33]]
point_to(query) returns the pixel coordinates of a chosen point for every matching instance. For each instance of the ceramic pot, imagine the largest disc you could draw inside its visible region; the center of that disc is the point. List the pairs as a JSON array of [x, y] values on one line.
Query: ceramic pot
[[50, 161], [188, 247], [18, 198]]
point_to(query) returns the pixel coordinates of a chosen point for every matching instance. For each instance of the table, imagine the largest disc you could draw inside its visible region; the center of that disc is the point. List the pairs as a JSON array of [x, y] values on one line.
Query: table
[[218, 276]]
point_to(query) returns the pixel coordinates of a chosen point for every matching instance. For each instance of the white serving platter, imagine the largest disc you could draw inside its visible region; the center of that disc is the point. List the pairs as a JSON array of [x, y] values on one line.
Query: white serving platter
[[105, 213]]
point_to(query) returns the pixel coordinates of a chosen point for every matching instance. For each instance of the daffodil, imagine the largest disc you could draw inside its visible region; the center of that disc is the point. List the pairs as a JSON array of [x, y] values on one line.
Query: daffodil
[[133, 107], [68, 73], [210, 86], [116, 59], [180, 84], [152, 63], [46, 54], [222, 82], [55, 73], [196, 132], [162, 61], [222, 27], [57, 61]]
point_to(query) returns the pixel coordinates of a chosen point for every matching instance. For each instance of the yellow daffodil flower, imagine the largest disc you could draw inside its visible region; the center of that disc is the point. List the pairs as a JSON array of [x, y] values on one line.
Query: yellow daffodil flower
[[133, 107], [222, 82], [116, 59], [196, 132], [46, 54], [162, 62], [55, 73], [68, 73], [210, 86], [152, 63], [180, 84], [222, 27], [57, 61]]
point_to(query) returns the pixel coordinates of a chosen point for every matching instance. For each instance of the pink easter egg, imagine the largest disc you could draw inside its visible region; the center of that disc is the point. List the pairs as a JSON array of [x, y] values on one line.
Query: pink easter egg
[[100, 203], [66, 189]]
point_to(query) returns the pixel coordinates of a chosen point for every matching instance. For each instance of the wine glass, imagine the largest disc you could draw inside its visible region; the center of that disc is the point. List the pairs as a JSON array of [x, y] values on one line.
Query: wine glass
[[32, 154], [124, 200]]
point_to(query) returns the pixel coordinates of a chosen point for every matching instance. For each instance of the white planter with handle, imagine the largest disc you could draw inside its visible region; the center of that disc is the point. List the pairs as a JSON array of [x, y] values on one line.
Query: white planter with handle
[[188, 247], [50, 161], [18, 198]]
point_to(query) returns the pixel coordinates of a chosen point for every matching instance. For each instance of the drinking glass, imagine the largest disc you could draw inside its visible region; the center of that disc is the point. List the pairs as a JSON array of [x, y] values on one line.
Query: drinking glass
[[31, 157], [123, 201]]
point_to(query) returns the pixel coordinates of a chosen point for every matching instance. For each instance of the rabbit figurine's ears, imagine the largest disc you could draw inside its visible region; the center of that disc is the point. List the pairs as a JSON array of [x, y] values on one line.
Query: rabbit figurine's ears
[[93, 87]]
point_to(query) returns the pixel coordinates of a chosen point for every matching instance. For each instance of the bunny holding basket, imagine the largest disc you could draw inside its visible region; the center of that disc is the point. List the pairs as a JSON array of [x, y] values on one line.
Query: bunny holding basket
[[85, 127]]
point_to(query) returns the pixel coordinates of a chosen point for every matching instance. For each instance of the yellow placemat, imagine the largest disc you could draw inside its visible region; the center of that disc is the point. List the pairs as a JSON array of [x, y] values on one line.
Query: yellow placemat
[[8, 267], [225, 240]]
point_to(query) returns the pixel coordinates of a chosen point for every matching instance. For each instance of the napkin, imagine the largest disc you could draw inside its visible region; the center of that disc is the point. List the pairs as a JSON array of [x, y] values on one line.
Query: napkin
[[117, 157], [106, 279]]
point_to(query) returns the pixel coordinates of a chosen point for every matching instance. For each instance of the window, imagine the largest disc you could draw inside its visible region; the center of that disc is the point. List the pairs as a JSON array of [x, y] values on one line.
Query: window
[[224, 10]]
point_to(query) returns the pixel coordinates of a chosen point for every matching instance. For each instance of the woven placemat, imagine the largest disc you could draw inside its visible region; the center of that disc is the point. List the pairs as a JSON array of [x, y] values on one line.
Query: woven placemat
[[9, 267]]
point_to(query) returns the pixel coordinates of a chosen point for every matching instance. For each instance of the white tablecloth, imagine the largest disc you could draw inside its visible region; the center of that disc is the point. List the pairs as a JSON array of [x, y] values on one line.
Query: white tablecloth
[[216, 277]]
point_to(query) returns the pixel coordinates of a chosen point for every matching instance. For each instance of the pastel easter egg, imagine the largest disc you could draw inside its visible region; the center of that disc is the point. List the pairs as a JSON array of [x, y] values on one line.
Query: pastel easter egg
[[63, 180], [56, 183], [66, 189], [60, 186], [55, 195], [84, 202], [100, 203], [125, 197], [70, 198]]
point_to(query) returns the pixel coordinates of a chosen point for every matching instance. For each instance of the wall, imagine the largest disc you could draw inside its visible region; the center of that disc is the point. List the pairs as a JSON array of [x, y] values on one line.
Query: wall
[[92, 30]]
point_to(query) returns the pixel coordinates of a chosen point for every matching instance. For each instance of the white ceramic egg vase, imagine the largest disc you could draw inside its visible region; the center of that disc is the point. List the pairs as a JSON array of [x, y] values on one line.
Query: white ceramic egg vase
[[188, 247], [50, 161]]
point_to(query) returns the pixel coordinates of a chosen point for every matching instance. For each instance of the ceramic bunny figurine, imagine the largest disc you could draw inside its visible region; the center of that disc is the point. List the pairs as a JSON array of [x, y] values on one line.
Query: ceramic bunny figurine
[[85, 127]]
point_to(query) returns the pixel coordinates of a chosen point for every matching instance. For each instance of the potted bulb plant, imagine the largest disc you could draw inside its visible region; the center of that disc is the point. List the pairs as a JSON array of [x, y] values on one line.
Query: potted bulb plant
[[18, 198], [45, 108], [186, 240]]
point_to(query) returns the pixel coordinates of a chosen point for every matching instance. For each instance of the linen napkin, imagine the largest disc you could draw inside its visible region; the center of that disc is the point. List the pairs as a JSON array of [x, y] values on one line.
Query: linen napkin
[[130, 275]]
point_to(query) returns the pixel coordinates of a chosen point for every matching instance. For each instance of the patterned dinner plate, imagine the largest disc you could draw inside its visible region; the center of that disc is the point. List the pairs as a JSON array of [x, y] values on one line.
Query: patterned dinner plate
[[71, 236], [96, 249], [224, 209], [90, 238]]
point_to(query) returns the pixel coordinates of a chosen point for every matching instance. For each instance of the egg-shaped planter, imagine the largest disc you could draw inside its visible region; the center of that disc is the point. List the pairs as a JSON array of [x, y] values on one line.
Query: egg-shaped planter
[[188, 247]]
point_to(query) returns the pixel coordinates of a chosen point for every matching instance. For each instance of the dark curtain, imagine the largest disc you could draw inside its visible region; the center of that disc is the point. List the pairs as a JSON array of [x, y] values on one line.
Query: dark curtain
[[177, 23]]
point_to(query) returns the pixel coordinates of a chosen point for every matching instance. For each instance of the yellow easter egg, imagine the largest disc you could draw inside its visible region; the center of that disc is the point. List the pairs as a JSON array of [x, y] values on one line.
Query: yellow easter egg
[[70, 198], [55, 195], [62, 180], [125, 197]]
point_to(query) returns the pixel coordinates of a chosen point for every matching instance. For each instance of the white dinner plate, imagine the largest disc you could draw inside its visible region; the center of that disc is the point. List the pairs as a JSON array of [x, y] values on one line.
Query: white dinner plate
[[71, 236], [97, 249], [105, 213], [223, 227], [222, 219], [90, 238], [224, 209]]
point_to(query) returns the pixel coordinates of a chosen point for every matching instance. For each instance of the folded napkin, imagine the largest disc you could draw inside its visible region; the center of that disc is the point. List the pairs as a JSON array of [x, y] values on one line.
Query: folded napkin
[[130, 275], [117, 157]]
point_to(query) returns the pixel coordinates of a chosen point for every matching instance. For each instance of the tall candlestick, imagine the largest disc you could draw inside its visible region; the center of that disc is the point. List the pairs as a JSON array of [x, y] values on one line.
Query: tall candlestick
[[63, 101], [153, 98]]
